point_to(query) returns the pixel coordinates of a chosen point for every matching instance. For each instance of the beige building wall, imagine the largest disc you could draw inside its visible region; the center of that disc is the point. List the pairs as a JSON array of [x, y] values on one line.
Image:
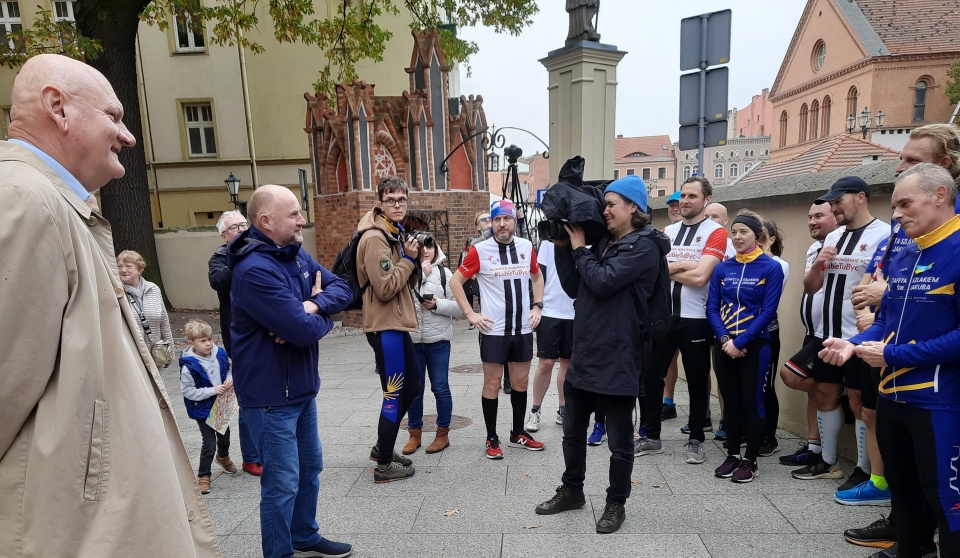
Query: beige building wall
[[190, 191]]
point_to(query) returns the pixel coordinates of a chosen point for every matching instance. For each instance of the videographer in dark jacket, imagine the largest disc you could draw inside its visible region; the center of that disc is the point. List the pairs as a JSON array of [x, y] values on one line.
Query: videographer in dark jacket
[[608, 281]]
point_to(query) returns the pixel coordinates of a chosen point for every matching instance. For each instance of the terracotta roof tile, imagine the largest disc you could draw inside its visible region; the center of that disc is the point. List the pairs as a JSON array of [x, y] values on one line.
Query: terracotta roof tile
[[838, 152], [915, 27], [648, 145]]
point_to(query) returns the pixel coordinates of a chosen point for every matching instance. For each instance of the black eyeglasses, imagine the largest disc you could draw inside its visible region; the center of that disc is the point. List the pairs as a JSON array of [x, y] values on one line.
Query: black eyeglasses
[[238, 226], [395, 203]]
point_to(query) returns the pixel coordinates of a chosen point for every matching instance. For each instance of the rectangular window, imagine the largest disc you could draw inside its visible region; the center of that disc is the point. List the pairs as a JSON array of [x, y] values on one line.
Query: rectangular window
[[661, 193], [201, 136], [646, 174], [662, 173], [189, 36], [9, 21], [630, 171], [616, 174], [63, 11]]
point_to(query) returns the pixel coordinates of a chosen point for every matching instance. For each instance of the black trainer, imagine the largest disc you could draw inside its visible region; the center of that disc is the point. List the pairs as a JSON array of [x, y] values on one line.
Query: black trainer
[[566, 498], [879, 534], [802, 456], [857, 477], [769, 447], [393, 472], [397, 458], [668, 412], [612, 518]]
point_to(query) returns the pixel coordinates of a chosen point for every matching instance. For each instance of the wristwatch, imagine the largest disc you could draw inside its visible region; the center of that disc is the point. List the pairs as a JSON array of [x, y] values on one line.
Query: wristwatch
[[724, 339], [537, 304]]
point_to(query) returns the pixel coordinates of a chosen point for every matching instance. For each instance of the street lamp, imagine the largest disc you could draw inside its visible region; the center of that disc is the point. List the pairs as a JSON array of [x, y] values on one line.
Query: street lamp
[[493, 162], [233, 188], [865, 120]]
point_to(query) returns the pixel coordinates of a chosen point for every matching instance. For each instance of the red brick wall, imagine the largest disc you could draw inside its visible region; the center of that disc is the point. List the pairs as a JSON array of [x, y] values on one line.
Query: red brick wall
[[336, 217]]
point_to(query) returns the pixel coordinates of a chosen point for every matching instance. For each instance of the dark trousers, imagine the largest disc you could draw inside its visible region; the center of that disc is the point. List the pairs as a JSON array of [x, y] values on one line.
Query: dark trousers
[[920, 460], [742, 382], [771, 403], [213, 443], [693, 337], [619, 423], [399, 380]]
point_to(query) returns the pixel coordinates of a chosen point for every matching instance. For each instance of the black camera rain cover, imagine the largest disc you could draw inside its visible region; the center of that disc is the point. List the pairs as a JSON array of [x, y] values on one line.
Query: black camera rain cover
[[572, 200]]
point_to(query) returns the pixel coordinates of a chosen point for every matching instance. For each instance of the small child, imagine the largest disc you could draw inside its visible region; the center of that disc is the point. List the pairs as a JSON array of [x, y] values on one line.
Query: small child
[[205, 374]]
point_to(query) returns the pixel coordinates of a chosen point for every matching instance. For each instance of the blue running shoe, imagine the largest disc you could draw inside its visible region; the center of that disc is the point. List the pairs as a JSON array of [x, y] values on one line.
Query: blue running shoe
[[598, 435], [721, 433], [864, 494]]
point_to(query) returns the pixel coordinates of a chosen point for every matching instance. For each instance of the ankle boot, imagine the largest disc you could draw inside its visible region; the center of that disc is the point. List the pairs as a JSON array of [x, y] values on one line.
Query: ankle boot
[[442, 440], [413, 443]]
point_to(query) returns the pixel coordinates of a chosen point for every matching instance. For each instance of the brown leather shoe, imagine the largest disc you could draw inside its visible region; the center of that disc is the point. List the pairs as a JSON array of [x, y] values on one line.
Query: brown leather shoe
[[441, 442], [204, 484], [413, 443], [226, 463]]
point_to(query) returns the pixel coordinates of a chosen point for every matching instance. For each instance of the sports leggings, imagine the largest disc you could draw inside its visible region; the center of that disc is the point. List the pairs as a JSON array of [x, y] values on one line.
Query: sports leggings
[[921, 457], [397, 367], [770, 401], [742, 382]]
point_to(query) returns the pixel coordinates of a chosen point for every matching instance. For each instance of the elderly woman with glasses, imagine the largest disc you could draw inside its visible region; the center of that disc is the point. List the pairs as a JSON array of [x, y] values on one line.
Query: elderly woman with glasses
[[145, 298]]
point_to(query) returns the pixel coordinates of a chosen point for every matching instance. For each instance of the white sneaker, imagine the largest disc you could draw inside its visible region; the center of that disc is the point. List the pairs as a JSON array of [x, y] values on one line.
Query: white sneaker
[[533, 421], [559, 417]]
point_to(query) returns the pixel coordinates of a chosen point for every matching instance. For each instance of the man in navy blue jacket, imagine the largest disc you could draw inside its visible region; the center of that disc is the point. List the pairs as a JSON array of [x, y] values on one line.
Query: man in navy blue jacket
[[282, 302]]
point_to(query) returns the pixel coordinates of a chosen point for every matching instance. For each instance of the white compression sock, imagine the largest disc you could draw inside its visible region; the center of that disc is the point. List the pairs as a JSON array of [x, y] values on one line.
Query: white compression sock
[[863, 458], [829, 423]]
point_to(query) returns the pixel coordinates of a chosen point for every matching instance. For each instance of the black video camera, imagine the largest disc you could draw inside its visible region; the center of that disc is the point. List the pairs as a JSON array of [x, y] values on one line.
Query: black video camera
[[512, 153], [552, 229]]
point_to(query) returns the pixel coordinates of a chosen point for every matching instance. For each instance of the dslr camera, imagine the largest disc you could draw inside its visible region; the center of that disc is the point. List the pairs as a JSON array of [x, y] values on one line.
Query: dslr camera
[[422, 238]]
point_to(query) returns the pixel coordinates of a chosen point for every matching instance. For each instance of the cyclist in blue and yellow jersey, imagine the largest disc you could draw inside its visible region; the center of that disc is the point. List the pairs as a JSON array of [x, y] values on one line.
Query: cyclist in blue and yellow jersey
[[742, 301], [913, 341]]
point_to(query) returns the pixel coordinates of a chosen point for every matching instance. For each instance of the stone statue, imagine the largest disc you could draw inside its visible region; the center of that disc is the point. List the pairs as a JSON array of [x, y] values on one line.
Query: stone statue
[[583, 21]]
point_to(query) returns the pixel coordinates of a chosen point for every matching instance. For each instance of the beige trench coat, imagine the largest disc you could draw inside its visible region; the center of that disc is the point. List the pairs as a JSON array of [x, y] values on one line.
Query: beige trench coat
[[91, 460]]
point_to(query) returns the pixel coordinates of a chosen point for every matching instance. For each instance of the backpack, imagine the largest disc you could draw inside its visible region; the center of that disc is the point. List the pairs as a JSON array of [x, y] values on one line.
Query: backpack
[[345, 267], [656, 324]]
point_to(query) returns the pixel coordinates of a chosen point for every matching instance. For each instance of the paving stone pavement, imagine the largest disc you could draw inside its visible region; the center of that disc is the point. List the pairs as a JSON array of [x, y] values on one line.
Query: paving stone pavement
[[460, 504]]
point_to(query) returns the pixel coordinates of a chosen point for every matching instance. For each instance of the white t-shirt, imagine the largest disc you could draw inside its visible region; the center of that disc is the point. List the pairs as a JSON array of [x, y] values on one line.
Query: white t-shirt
[[731, 251], [503, 273], [855, 249], [556, 303], [706, 239], [811, 306]]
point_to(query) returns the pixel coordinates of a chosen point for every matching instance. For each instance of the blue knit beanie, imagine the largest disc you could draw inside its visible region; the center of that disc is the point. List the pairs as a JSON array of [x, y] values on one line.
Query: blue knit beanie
[[632, 188]]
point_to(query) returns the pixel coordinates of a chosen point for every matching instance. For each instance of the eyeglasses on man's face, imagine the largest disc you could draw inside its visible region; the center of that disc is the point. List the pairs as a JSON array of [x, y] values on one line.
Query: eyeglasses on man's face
[[398, 202], [238, 227], [483, 220]]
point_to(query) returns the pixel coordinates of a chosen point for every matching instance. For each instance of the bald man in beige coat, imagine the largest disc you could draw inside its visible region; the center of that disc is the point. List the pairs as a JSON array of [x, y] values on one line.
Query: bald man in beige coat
[[91, 460]]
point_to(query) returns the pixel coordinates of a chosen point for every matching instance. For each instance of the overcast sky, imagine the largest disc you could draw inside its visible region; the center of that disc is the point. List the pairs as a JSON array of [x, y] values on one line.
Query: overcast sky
[[513, 83]]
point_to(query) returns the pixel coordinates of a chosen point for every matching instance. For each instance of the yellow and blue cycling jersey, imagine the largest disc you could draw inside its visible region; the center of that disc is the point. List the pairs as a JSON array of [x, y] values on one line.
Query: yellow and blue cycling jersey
[[743, 297], [919, 320]]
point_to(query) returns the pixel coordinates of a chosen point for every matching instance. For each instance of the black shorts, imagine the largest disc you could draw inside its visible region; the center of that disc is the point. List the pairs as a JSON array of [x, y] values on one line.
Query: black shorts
[[807, 364], [866, 379], [554, 338], [501, 349]]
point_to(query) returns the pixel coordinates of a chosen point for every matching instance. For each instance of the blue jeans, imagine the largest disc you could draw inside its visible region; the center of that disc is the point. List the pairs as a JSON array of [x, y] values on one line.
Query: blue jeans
[[248, 449], [289, 446], [435, 358]]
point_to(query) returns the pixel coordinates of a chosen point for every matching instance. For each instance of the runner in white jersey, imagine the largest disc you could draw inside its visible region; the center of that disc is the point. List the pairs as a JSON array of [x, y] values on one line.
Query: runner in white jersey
[[837, 269], [820, 221], [506, 269], [698, 244], [554, 336]]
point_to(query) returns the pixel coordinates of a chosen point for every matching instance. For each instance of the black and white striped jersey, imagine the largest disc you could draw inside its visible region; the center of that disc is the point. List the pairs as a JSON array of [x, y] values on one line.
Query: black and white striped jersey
[[855, 249], [503, 273]]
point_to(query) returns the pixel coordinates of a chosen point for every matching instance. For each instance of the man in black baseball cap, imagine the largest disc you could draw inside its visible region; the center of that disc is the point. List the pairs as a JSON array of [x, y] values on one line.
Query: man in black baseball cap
[[846, 185]]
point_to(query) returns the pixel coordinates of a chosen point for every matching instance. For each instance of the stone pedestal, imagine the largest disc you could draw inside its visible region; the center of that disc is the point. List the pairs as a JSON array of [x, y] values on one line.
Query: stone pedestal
[[583, 102]]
